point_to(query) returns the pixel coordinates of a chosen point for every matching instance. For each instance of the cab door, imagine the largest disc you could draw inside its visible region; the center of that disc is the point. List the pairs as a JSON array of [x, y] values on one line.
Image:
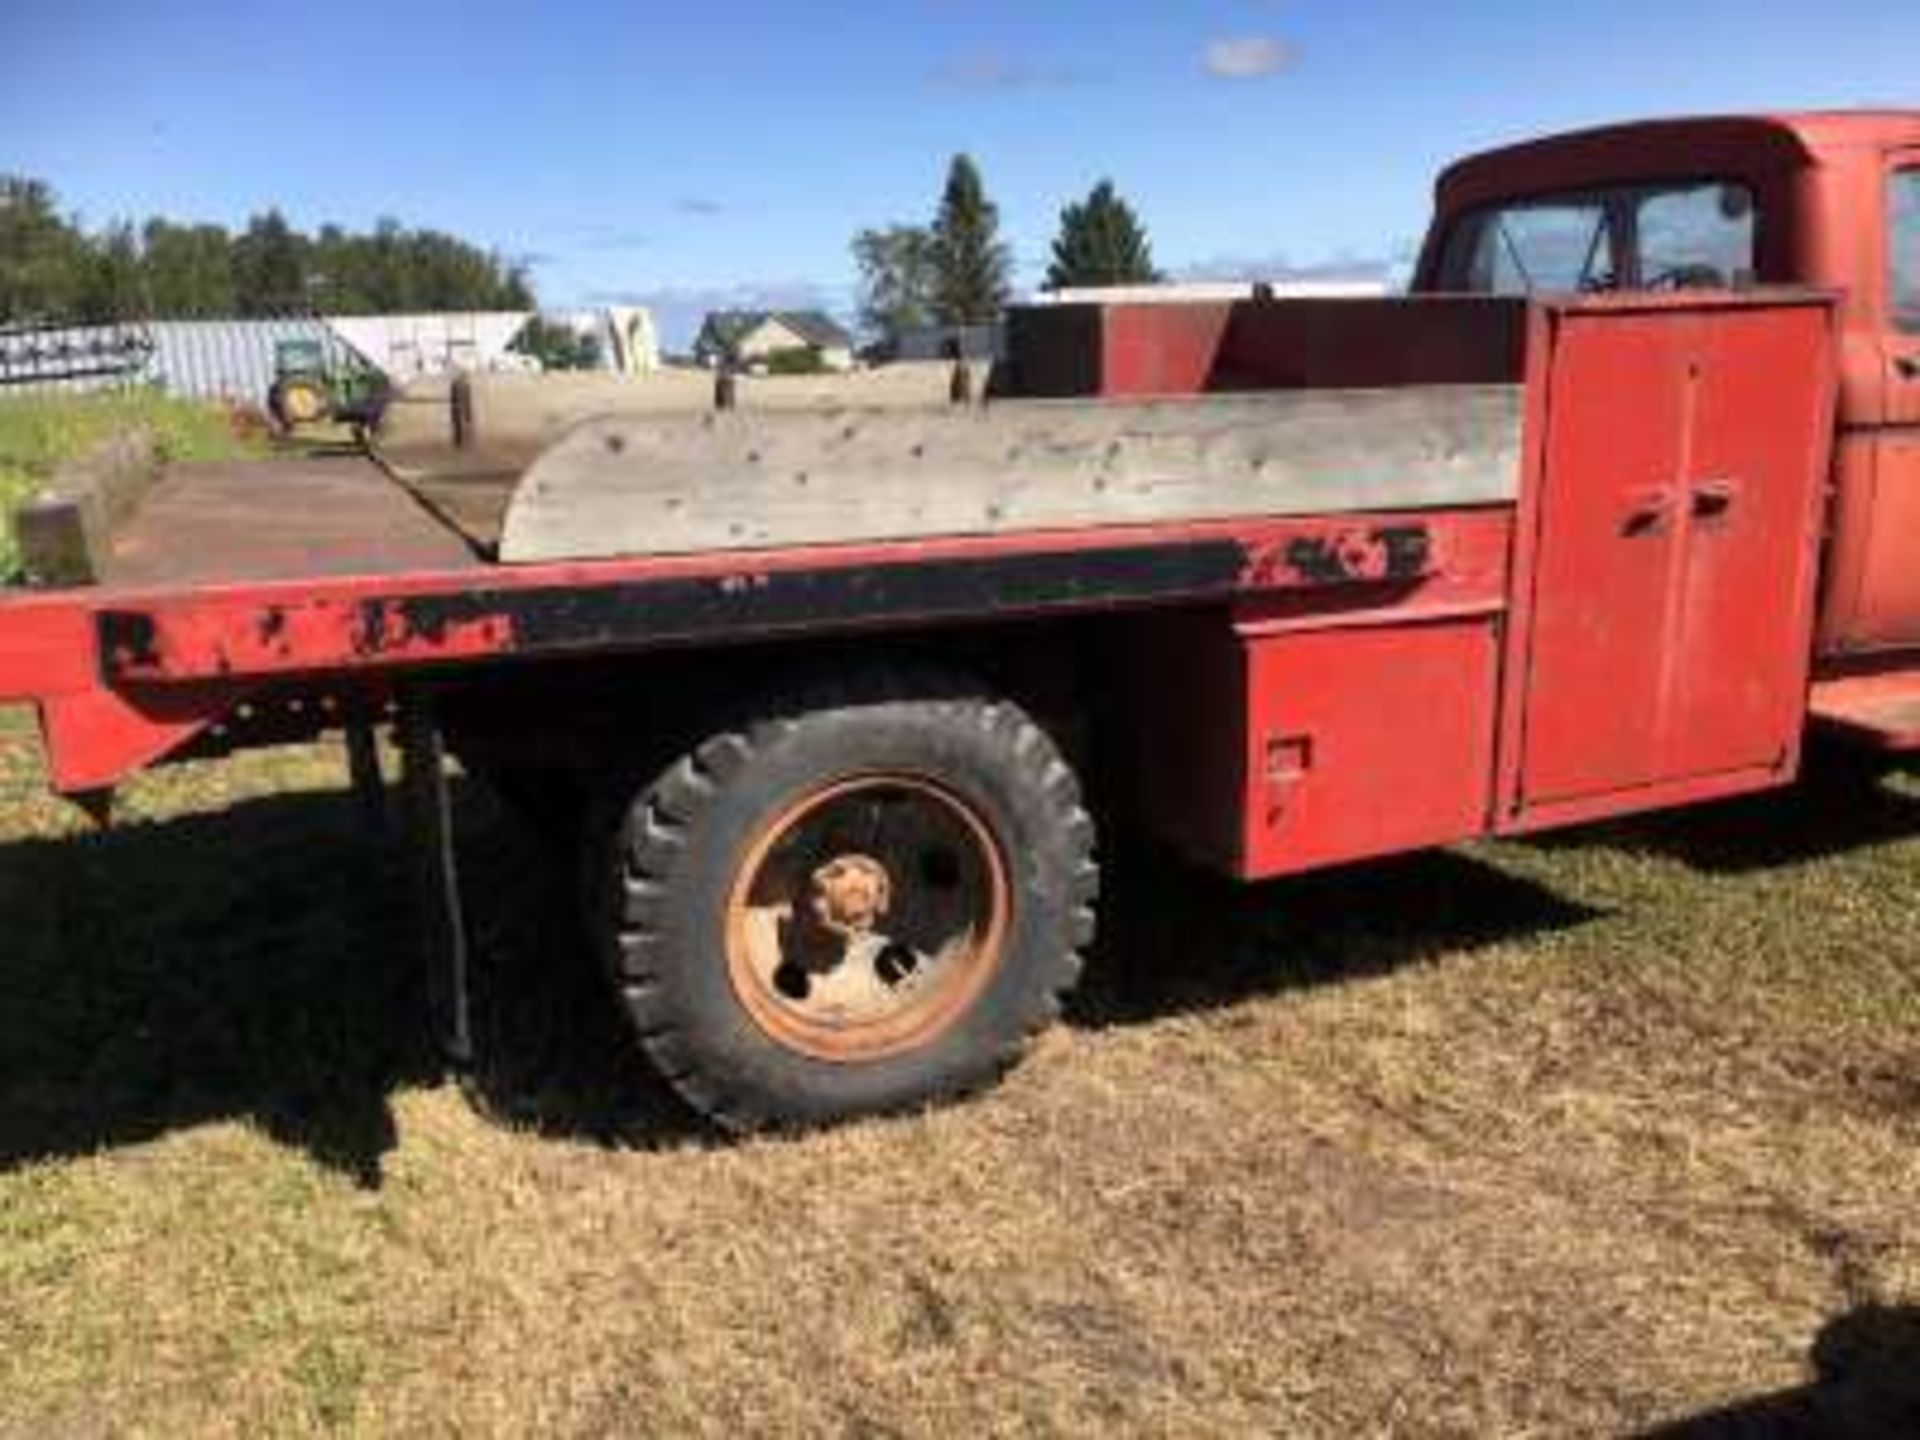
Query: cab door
[[1901, 332], [1883, 610]]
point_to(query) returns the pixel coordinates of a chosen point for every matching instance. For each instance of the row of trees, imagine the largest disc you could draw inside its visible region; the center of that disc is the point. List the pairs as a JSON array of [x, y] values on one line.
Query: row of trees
[[957, 271], [53, 269]]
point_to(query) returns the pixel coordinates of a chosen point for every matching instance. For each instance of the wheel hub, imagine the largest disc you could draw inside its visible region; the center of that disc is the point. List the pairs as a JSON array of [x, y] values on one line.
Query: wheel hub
[[850, 893], [866, 918]]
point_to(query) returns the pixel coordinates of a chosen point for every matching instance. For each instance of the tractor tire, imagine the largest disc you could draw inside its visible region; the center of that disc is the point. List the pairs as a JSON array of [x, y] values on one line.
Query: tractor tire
[[297, 402], [861, 900]]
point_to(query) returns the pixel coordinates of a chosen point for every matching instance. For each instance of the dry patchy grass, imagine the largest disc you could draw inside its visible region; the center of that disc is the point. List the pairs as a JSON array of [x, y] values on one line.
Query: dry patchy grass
[[1580, 1137]]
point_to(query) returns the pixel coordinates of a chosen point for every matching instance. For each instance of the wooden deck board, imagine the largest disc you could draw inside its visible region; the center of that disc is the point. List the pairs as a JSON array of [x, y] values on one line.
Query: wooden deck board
[[469, 489], [623, 486], [279, 520]]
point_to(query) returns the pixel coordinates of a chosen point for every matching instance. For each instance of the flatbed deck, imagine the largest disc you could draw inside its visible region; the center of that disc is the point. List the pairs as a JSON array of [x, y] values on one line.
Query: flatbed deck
[[245, 522], [469, 489]]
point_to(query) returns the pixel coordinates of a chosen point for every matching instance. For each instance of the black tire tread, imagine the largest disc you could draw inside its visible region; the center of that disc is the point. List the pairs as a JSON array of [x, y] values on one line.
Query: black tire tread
[[680, 794]]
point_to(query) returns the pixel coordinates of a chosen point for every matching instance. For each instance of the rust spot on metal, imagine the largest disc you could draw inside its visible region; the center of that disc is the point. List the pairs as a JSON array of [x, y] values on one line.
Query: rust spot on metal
[[273, 628], [455, 624], [1347, 557], [130, 640], [367, 637], [1409, 550]]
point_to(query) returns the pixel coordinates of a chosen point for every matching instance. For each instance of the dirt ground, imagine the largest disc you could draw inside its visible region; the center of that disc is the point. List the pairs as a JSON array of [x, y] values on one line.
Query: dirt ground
[[1594, 1136]]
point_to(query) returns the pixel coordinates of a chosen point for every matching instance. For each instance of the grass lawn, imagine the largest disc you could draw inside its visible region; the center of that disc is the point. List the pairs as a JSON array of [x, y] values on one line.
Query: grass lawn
[[1579, 1136], [37, 432]]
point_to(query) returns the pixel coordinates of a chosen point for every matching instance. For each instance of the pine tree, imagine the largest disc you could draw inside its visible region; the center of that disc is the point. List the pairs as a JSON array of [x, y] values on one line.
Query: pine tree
[[971, 264], [1101, 242]]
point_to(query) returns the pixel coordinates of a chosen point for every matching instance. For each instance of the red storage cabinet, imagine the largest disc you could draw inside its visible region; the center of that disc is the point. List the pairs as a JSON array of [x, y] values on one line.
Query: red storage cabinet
[[1366, 741], [1663, 649], [1273, 748]]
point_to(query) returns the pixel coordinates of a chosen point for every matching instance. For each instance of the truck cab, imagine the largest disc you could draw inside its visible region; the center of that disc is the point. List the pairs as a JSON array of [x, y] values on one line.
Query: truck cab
[[1824, 200]]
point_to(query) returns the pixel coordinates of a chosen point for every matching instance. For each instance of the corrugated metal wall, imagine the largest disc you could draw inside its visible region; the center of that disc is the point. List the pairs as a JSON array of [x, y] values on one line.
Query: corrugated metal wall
[[230, 359], [203, 359]]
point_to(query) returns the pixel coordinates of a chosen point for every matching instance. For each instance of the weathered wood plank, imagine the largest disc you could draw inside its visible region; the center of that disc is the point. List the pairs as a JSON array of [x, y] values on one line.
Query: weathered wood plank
[[622, 486], [65, 533], [213, 522], [513, 410]]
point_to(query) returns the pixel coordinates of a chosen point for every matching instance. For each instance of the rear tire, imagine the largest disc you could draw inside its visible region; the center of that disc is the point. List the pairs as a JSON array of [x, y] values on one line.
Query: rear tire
[[865, 899]]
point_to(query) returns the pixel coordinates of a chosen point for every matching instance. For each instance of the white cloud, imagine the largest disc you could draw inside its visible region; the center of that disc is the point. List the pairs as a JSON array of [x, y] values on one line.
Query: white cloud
[[1248, 57]]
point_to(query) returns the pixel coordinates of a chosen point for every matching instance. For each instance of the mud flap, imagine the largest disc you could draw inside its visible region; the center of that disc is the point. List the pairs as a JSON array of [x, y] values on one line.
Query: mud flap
[[436, 875]]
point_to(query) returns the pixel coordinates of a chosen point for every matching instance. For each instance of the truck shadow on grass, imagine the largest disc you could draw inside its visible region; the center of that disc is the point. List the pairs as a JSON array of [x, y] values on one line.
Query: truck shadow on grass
[[252, 963], [1865, 1386], [1838, 809], [1174, 939], [261, 964]]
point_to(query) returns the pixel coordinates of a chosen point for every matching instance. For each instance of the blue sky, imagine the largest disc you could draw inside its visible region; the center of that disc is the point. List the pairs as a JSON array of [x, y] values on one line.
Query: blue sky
[[688, 154]]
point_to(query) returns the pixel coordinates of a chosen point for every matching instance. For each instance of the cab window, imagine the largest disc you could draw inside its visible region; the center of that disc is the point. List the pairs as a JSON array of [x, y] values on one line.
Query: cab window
[[1904, 249], [1518, 249], [1698, 235]]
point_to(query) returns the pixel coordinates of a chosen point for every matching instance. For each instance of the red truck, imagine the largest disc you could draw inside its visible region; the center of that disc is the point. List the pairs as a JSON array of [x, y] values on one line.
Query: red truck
[[1614, 512]]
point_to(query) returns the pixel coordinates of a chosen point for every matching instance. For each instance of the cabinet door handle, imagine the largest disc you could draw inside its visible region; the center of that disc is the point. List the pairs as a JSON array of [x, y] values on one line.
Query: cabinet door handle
[[1647, 511], [1714, 498], [1907, 367]]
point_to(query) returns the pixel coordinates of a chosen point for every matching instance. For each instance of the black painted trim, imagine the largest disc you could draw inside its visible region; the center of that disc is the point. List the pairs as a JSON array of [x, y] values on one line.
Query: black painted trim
[[639, 612]]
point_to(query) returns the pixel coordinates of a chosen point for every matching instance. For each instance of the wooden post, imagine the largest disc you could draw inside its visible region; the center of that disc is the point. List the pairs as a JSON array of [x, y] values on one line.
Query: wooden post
[[65, 534], [460, 402]]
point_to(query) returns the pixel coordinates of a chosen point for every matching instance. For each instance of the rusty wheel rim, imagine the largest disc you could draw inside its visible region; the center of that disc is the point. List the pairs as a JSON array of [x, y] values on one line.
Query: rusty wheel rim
[[866, 917]]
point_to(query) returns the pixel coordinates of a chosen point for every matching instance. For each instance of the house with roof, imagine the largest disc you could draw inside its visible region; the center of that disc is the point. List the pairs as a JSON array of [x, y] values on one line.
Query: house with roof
[[751, 339]]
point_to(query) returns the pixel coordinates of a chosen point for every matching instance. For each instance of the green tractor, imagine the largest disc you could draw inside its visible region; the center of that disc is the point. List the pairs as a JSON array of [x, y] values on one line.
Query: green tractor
[[309, 389]]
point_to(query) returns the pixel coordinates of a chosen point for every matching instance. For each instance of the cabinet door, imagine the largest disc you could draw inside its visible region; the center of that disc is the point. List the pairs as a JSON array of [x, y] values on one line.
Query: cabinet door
[[1740, 671], [1676, 530], [1609, 548]]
